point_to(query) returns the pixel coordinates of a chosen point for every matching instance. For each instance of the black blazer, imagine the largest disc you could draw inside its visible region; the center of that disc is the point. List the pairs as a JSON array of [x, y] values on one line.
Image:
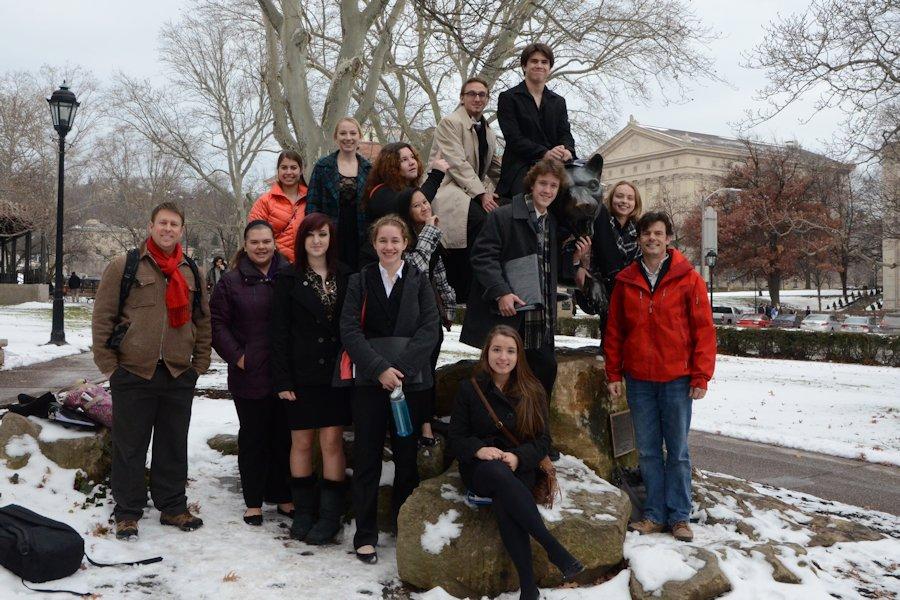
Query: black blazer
[[508, 233], [529, 133], [305, 345], [418, 320], [471, 429]]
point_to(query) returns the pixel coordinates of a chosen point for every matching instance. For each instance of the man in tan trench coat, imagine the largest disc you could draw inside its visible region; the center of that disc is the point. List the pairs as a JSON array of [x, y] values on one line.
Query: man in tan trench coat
[[467, 143]]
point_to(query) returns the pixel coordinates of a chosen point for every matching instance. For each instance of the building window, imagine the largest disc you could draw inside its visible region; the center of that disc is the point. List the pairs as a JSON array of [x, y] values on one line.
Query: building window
[[634, 169], [622, 171], [662, 164], [647, 166], [676, 162], [696, 161]]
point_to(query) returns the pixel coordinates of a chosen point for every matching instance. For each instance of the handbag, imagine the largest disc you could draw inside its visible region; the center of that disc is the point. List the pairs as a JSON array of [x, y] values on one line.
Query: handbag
[[546, 486], [346, 370], [39, 549]]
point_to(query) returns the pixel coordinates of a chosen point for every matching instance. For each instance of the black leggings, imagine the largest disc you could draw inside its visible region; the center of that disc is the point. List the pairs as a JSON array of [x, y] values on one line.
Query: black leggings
[[517, 518]]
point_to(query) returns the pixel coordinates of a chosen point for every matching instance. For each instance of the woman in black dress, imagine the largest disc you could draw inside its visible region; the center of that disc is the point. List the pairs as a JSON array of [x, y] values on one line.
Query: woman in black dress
[[389, 326], [305, 345], [492, 467]]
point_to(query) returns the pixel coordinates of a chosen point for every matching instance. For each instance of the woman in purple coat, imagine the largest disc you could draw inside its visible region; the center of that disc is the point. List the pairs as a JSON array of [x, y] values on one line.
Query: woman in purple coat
[[240, 306]]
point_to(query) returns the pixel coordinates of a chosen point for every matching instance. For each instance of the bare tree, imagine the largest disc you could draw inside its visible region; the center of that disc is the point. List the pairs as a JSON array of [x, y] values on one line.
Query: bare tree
[[214, 115], [844, 54]]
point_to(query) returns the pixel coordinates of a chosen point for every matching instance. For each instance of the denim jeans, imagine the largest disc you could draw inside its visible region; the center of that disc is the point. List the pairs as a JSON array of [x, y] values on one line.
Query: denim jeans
[[661, 412]]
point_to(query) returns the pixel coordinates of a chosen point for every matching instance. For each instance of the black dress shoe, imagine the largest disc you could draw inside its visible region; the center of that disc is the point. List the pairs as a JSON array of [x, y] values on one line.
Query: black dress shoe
[[572, 571], [370, 558], [286, 513], [255, 520]]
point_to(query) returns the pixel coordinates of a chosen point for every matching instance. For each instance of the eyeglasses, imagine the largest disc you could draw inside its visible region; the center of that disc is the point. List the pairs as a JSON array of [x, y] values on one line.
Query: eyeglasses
[[479, 95]]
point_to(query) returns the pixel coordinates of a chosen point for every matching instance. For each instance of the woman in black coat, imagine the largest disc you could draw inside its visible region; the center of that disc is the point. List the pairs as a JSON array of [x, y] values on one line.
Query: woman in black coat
[[305, 346], [613, 246], [491, 466], [389, 327], [239, 309], [397, 169]]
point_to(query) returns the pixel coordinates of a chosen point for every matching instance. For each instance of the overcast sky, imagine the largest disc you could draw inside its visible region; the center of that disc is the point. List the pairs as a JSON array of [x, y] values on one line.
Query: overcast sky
[[110, 35]]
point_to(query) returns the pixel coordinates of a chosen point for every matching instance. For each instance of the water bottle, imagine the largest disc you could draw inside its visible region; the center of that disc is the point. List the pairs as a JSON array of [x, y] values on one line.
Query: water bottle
[[401, 412]]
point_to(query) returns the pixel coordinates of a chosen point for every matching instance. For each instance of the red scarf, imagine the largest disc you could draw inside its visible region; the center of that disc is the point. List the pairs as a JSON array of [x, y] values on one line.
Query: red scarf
[[177, 290]]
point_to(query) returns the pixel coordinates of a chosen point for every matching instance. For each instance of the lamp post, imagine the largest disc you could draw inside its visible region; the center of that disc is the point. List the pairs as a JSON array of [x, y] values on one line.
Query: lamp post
[[711, 258], [63, 107]]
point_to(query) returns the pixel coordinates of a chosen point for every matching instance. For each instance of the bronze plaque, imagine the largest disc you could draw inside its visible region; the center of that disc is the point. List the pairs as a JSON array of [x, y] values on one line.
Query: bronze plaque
[[622, 431]]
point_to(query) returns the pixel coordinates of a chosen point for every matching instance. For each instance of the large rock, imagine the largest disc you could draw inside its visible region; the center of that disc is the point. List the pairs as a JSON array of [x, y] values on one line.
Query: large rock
[[226, 443], [675, 572], [579, 410], [730, 501], [88, 452], [443, 541]]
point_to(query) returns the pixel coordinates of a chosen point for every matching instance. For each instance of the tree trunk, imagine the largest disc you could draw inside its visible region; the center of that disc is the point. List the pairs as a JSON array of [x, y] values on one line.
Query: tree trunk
[[774, 281]]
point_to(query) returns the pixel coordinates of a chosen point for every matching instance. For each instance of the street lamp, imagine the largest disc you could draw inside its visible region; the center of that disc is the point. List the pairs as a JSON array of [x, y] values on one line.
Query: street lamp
[[63, 107], [711, 258]]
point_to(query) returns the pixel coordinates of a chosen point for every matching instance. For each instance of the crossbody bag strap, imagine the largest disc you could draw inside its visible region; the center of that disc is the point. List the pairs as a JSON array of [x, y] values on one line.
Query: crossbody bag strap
[[497, 422]]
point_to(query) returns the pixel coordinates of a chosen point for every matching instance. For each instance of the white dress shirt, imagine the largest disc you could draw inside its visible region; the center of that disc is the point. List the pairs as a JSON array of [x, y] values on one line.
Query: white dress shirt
[[387, 281]]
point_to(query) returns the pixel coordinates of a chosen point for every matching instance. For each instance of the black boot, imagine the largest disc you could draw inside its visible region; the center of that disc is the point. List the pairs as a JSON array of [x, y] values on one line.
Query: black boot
[[331, 511], [303, 492]]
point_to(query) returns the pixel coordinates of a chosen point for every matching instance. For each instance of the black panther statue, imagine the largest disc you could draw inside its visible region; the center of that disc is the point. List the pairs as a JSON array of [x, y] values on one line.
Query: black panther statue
[[576, 211]]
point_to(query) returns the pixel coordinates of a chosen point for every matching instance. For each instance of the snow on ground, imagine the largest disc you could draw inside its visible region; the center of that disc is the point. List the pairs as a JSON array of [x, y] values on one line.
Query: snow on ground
[[27, 328], [228, 559], [791, 299], [839, 409]]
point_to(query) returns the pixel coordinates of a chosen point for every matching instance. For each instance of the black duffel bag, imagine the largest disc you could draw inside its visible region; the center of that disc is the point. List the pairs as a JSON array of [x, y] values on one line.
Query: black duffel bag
[[39, 549]]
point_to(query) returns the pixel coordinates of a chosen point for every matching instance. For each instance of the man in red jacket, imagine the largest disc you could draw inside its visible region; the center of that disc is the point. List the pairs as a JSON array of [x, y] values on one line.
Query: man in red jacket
[[660, 338]]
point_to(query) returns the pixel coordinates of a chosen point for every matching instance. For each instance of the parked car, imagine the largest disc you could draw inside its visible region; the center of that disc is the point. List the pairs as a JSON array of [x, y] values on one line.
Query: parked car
[[786, 321], [820, 322], [725, 315], [754, 321], [890, 324], [856, 324]]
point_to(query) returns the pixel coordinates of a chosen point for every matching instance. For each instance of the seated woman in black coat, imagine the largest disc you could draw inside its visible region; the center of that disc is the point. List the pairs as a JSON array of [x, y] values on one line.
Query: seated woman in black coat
[[306, 341], [389, 326], [492, 467]]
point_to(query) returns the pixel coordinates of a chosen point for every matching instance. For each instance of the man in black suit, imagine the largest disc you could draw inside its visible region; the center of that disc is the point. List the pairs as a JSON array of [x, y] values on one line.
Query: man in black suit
[[534, 121]]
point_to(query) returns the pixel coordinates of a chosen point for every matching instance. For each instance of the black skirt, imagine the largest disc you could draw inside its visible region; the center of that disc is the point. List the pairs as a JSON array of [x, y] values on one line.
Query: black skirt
[[318, 406]]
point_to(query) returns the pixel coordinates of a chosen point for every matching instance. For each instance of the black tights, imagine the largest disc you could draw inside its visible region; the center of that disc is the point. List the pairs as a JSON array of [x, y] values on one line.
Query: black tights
[[517, 518]]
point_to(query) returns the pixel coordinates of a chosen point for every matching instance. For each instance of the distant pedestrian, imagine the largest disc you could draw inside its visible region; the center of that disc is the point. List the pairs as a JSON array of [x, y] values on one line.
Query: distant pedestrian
[[808, 311], [768, 310], [774, 312], [240, 307], [661, 340], [215, 273], [75, 286], [152, 351], [284, 205]]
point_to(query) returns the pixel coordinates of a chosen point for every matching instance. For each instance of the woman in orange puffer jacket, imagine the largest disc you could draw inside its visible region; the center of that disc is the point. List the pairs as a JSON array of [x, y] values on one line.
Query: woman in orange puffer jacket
[[284, 205]]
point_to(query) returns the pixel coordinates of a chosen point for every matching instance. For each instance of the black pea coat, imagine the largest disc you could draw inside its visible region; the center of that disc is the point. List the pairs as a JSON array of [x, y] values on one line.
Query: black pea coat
[[508, 233], [471, 429], [305, 344], [529, 132]]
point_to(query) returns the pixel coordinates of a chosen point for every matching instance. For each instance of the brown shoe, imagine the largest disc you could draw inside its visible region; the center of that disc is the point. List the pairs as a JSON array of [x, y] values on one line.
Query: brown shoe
[[681, 531], [645, 526], [184, 521], [126, 529]]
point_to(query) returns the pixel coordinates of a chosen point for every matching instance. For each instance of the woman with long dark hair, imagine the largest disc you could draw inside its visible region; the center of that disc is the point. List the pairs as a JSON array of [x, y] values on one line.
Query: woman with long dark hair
[[239, 309], [397, 168], [492, 467], [306, 341], [336, 189], [389, 326], [427, 254], [284, 205]]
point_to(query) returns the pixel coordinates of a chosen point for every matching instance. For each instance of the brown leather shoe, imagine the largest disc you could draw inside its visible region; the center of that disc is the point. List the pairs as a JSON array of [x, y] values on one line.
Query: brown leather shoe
[[184, 521], [126, 529], [682, 532], [645, 526]]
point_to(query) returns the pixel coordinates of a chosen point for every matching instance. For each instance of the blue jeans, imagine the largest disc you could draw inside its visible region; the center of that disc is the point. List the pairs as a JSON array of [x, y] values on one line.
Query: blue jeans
[[661, 412]]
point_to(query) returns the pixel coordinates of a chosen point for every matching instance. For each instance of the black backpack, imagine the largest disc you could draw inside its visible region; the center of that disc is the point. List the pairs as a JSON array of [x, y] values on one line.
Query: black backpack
[[39, 549], [131, 266]]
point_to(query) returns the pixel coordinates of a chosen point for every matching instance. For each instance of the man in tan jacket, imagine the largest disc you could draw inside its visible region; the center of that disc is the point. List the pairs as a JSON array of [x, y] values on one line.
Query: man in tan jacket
[[152, 352], [466, 141]]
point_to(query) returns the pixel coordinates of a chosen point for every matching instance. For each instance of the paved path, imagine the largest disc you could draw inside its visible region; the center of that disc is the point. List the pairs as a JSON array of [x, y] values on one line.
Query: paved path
[[51, 375], [851, 481]]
